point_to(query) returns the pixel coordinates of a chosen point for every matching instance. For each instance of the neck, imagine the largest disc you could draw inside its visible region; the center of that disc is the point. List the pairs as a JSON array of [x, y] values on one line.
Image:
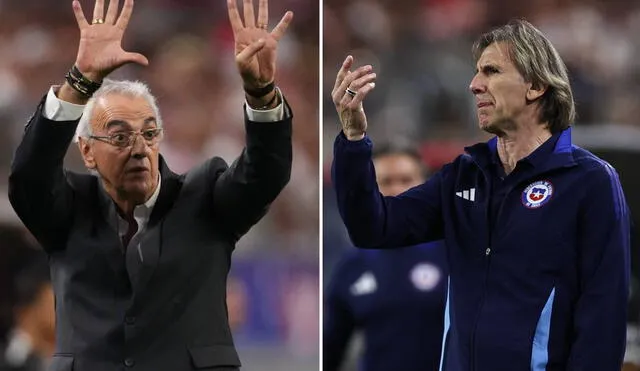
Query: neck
[[126, 202], [41, 343], [520, 142]]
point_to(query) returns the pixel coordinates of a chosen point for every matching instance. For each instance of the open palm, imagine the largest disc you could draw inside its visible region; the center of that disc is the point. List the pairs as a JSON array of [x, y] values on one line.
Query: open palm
[[100, 49], [255, 47]]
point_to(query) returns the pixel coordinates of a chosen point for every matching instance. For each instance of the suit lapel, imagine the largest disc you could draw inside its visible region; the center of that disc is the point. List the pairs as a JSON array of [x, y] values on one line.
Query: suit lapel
[[112, 244], [151, 243]]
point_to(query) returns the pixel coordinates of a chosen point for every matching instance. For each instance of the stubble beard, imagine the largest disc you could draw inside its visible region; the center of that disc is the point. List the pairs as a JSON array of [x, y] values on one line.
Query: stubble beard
[[500, 125]]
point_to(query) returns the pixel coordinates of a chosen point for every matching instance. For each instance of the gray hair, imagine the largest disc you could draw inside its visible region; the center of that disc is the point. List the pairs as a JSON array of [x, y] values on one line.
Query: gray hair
[[122, 87], [539, 63]]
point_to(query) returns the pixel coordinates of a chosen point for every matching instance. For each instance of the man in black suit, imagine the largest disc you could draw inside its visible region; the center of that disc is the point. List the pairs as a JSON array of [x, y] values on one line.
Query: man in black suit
[[139, 255]]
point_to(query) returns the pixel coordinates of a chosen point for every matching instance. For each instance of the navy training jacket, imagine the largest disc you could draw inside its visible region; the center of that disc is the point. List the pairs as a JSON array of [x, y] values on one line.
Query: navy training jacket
[[538, 282], [397, 299]]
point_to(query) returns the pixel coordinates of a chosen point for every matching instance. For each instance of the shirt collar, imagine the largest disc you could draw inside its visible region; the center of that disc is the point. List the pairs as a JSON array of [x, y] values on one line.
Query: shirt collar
[[143, 211], [151, 202]]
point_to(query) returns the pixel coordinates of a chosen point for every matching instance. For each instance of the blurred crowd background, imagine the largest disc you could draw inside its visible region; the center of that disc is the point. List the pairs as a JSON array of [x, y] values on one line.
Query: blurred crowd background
[[273, 286], [421, 52]]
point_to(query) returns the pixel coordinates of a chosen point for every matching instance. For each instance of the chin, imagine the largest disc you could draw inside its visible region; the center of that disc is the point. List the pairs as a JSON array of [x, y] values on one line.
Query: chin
[[498, 125], [486, 124], [491, 129], [138, 191]]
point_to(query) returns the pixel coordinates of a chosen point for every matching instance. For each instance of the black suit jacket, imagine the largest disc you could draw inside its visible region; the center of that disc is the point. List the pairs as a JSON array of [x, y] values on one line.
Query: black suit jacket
[[169, 312]]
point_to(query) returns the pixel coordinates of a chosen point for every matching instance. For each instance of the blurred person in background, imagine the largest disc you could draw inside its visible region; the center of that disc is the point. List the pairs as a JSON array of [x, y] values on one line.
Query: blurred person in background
[[15, 253], [31, 341], [140, 255], [395, 297], [537, 229], [236, 302]]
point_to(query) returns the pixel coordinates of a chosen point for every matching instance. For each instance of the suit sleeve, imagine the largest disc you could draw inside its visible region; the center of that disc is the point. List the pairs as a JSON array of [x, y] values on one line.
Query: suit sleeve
[[601, 311], [38, 189], [243, 192], [374, 221], [339, 323]]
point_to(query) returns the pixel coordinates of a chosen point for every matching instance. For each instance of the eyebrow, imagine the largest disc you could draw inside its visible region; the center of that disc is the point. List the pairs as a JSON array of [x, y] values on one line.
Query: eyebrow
[[487, 66], [125, 125]]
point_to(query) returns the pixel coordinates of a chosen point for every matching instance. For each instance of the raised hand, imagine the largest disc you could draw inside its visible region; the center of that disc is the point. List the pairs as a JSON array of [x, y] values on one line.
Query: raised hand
[[100, 51], [348, 93], [255, 47]]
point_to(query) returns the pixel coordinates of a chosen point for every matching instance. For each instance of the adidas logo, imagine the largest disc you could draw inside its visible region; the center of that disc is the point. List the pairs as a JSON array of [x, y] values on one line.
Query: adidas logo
[[467, 194]]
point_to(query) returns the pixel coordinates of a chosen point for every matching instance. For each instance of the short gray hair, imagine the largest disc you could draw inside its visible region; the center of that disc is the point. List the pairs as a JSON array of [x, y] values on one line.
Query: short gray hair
[[539, 63], [121, 87]]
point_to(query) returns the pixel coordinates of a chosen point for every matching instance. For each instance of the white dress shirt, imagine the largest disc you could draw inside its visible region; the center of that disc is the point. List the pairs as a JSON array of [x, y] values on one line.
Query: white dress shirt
[[58, 110], [141, 214]]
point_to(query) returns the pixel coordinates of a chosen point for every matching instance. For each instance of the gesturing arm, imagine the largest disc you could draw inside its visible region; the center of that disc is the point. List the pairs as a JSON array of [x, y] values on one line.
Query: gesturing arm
[[38, 189], [374, 221], [244, 191]]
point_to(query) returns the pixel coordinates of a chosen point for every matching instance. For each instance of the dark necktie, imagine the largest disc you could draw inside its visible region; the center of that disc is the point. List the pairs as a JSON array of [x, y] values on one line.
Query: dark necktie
[[131, 231], [132, 259]]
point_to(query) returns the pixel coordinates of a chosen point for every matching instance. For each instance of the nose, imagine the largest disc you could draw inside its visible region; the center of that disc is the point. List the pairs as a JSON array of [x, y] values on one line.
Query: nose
[[477, 86], [139, 148]]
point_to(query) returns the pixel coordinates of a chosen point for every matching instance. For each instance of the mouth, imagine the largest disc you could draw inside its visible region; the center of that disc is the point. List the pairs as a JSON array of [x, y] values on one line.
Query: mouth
[[484, 104], [137, 170]]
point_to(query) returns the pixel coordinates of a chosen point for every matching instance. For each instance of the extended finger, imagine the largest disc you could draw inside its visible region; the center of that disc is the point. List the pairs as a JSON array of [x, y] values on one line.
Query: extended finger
[[281, 27], [136, 58], [249, 18], [356, 102], [112, 11], [263, 13], [343, 71], [362, 81], [358, 73], [77, 11], [234, 16], [338, 94], [125, 16], [98, 10], [250, 51], [345, 97]]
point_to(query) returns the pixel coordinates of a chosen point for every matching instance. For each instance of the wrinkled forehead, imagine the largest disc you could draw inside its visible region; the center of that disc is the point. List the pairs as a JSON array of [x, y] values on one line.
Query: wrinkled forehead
[[124, 111], [496, 53]]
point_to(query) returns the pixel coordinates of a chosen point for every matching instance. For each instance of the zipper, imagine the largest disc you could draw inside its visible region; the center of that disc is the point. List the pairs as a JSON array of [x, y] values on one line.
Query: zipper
[[489, 249], [484, 285], [487, 253]]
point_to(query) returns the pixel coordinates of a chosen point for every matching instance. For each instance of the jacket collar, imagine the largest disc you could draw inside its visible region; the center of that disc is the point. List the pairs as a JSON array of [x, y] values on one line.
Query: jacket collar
[[168, 192], [555, 153]]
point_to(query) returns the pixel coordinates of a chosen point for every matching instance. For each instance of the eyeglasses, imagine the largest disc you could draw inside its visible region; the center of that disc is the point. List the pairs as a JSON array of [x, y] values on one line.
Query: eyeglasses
[[128, 138]]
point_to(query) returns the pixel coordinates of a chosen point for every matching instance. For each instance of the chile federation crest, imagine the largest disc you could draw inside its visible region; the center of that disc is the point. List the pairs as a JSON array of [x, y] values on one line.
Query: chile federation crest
[[537, 194]]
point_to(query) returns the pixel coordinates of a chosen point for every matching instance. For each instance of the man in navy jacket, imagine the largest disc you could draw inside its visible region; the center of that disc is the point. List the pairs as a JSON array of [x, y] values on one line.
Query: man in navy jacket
[[395, 297], [536, 228]]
